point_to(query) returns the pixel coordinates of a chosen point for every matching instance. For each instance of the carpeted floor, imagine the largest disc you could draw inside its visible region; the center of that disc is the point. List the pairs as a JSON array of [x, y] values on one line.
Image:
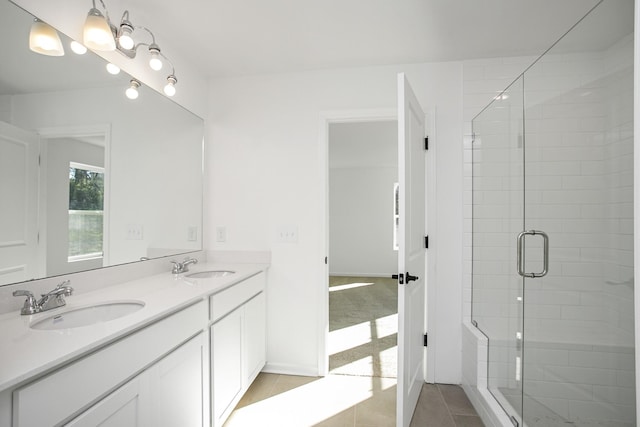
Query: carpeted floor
[[363, 326]]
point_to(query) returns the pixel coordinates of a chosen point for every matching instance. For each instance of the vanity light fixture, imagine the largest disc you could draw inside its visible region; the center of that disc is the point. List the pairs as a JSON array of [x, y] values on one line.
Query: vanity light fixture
[[97, 30], [124, 36], [44, 39], [100, 34], [132, 90]]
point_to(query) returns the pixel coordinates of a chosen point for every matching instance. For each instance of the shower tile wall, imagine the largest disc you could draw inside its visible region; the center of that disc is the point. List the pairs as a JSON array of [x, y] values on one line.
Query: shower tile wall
[[579, 130]]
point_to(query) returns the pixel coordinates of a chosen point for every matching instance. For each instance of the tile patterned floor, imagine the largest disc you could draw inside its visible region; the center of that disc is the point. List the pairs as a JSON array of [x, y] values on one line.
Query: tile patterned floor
[[345, 401]]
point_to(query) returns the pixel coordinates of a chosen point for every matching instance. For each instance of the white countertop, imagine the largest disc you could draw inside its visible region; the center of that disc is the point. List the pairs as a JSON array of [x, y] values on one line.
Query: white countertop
[[27, 352]]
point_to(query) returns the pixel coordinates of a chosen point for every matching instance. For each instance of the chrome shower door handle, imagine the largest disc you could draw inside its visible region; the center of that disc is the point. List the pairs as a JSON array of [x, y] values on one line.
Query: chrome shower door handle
[[520, 257]]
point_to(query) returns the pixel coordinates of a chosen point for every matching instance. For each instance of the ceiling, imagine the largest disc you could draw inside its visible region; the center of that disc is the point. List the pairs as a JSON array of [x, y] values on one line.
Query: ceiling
[[249, 37], [245, 37]]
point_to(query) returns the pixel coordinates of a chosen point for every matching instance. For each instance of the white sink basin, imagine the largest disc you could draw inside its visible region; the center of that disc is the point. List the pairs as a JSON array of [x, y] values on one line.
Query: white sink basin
[[88, 315], [210, 273]]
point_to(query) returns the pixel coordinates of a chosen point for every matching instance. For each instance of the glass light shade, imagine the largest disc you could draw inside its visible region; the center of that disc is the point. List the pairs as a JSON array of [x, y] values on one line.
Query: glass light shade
[[132, 91], [78, 48], [113, 68], [44, 39], [97, 33]]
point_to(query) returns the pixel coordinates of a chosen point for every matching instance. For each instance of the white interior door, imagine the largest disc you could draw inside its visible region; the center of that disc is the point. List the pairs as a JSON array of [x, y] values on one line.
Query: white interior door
[[19, 198], [411, 255]]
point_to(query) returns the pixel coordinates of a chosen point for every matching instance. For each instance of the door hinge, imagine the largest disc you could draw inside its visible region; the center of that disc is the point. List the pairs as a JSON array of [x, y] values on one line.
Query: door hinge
[[426, 142], [39, 160], [425, 339], [326, 260], [426, 242]]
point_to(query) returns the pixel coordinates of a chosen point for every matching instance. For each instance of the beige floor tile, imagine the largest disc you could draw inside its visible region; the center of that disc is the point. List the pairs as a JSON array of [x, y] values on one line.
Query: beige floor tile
[[431, 410], [261, 388], [380, 409], [286, 383], [456, 399], [467, 421]]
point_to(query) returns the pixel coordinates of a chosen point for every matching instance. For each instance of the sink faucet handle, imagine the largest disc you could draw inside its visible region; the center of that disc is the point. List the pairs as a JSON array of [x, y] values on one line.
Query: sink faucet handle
[[177, 267], [63, 288], [23, 293], [30, 304]]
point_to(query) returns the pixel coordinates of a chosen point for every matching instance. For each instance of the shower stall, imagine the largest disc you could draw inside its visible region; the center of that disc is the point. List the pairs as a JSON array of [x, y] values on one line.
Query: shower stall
[[552, 240]]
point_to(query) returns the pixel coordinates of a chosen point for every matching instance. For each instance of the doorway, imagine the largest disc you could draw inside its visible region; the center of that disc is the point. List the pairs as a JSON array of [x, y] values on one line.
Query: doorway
[[363, 298]]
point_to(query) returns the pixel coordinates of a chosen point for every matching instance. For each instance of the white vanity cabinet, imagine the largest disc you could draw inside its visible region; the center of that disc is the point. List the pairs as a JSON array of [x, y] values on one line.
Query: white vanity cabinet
[[169, 394], [238, 338], [151, 377]]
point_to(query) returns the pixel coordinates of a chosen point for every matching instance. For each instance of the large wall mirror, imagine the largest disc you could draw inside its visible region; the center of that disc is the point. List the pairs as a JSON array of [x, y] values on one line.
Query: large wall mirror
[[88, 177]]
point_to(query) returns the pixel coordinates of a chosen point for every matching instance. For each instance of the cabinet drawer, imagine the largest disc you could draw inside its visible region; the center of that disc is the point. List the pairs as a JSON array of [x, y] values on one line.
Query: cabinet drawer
[[63, 393], [228, 300]]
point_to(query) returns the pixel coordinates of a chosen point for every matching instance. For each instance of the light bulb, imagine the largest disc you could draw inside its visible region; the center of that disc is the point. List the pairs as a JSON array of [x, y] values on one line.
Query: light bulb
[[155, 62], [132, 91], [125, 42], [113, 68], [44, 39], [97, 33], [170, 88], [78, 48], [124, 36]]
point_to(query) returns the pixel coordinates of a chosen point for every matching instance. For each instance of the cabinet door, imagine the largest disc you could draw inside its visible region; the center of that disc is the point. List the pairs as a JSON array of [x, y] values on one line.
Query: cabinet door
[[226, 363], [168, 393], [254, 337], [122, 408], [176, 385]]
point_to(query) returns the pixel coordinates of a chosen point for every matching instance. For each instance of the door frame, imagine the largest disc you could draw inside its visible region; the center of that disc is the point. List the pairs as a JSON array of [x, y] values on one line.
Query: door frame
[[372, 115], [326, 119], [78, 131]]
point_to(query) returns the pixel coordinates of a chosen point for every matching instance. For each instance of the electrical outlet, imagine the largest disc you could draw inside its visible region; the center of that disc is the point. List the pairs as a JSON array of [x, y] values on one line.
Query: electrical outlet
[[192, 233], [135, 232], [221, 234], [287, 234]]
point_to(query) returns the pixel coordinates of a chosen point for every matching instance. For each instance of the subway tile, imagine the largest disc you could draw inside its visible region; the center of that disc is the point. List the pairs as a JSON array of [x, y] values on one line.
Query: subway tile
[[600, 411], [603, 360], [581, 376], [559, 390]]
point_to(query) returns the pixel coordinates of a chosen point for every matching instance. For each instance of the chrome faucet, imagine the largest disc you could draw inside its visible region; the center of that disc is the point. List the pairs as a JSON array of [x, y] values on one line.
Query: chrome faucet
[[50, 300], [182, 267]]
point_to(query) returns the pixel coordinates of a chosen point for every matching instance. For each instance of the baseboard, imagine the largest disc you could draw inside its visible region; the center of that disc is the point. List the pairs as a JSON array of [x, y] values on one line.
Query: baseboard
[[286, 369]]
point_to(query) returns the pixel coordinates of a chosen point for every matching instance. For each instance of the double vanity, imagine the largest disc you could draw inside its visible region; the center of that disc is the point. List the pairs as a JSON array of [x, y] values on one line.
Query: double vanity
[[164, 350]]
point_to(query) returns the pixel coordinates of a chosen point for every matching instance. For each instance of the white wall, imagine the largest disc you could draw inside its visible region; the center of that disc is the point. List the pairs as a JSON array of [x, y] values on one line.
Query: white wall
[[363, 168], [267, 168]]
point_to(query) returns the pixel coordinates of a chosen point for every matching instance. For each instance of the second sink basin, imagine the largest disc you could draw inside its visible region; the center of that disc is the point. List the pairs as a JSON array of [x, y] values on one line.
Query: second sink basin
[[89, 315], [210, 273]]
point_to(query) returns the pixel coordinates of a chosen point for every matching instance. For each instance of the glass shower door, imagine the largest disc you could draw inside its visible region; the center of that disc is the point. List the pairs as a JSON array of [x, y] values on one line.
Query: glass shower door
[[579, 318], [498, 196]]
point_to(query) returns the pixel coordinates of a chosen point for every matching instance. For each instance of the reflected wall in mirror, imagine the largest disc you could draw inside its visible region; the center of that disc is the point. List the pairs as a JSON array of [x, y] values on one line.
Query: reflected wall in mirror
[[88, 177]]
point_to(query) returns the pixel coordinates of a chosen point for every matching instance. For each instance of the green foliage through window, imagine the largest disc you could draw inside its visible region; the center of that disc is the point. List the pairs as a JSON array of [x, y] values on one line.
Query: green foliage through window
[[86, 206]]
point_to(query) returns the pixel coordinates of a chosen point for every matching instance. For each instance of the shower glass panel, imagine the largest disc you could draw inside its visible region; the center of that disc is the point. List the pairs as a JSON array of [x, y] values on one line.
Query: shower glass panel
[[553, 156], [498, 194], [579, 325]]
